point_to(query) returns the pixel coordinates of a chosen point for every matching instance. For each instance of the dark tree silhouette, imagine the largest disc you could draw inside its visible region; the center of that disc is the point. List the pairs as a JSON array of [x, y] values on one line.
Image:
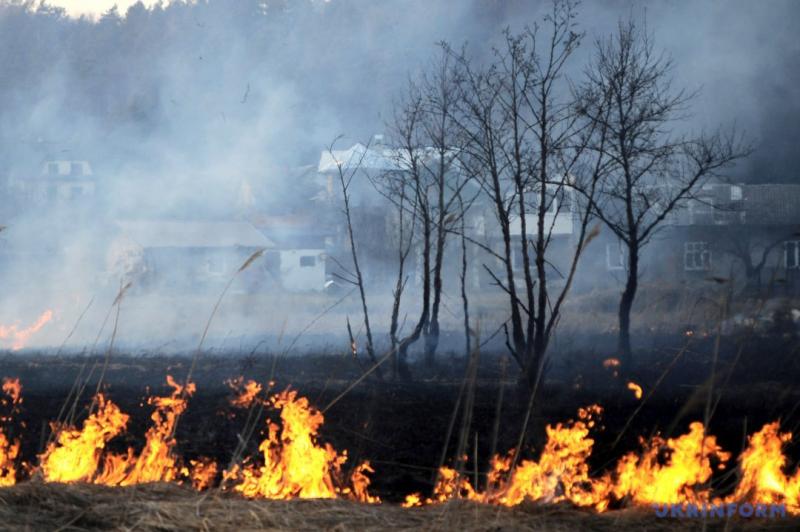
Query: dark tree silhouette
[[629, 100]]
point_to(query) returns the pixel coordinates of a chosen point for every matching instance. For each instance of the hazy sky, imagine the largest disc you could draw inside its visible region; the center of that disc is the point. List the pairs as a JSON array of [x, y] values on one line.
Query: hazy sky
[[95, 7]]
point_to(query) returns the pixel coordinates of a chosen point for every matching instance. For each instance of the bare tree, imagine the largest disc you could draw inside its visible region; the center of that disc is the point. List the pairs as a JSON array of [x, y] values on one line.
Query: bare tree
[[439, 99], [408, 182], [406, 225], [346, 171], [652, 169], [526, 148], [430, 184]]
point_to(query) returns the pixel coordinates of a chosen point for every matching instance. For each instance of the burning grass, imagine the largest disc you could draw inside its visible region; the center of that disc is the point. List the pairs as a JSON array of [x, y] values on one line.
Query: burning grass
[[80, 472], [294, 464]]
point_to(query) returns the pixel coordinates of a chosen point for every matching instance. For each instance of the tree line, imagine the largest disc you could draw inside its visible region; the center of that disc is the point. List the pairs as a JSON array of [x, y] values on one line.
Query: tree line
[[518, 133]]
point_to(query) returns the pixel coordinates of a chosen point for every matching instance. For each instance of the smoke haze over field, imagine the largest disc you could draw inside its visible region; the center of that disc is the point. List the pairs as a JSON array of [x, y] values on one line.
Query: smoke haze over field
[[176, 105], [240, 87]]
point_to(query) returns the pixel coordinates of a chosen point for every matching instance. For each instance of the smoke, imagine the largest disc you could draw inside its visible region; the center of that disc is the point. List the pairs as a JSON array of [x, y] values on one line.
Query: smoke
[[178, 105]]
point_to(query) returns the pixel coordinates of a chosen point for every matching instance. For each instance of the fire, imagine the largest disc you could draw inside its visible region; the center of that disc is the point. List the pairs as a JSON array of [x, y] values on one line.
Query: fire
[[562, 471], [636, 389], [611, 363], [560, 474], [13, 389], [203, 473], [680, 479], [75, 454], [295, 465], [157, 461], [361, 481], [9, 450], [19, 337], [762, 466], [8, 456], [247, 392]]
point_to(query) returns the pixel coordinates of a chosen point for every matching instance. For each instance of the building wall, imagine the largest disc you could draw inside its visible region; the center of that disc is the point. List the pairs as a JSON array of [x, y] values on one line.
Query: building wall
[[173, 269], [302, 269]]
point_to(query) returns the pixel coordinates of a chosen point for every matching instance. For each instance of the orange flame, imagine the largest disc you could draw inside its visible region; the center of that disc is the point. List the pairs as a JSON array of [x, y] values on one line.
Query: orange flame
[[562, 471], [13, 389], [762, 464], [19, 337], [295, 464], [9, 450], [560, 474], [681, 479], [247, 392], [75, 454], [636, 389], [8, 456], [203, 473], [156, 462], [611, 363]]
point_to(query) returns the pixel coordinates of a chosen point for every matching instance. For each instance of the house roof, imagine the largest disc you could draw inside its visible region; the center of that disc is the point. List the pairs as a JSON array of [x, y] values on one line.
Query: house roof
[[375, 157], [772, 204], [193, 234], [369, 158]]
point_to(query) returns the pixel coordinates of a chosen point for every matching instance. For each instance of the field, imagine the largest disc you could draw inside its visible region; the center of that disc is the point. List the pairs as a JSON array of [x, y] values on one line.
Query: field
[[171, 508], [400, 428]]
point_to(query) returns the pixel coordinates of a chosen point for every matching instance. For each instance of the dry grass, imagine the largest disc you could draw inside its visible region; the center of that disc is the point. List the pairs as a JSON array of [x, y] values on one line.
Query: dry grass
[[37, 506]]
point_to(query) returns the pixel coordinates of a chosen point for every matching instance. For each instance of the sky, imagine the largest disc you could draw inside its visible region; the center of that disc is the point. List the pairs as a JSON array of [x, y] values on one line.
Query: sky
[[93, 8]]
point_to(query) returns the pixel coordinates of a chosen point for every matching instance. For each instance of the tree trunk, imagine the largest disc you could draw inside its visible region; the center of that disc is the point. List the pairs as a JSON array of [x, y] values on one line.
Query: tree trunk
[[432, 330], [424, 319], [431, 341], [625, 306]]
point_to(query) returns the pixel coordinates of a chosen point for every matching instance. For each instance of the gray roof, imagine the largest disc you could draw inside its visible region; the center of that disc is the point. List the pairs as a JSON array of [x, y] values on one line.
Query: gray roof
[[193, 234]]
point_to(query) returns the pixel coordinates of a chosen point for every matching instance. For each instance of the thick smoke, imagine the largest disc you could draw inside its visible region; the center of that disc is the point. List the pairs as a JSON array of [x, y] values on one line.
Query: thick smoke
[[178, 105]]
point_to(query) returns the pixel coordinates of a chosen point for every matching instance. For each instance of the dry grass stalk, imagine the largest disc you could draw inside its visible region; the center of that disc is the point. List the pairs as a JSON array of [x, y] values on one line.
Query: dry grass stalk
[[163, 507]]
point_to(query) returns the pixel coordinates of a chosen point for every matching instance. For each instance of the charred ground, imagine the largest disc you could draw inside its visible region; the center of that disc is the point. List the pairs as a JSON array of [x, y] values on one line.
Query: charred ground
[[400, 427]]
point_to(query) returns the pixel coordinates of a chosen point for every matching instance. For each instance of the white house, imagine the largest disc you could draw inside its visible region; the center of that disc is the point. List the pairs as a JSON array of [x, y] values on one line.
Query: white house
[[180, 254], [302, 269], [58, 182]]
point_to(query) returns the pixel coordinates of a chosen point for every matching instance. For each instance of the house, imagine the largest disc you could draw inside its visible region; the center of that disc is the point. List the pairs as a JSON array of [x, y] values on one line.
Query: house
[[560, 225], [299, 257], [182, 255], [749, 234], [374, 215], [58, 182]]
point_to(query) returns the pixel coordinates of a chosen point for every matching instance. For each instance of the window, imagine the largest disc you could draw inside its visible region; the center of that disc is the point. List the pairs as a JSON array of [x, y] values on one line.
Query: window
[[696, 256], [52, 168], [615, 256], [308, 261], [791, 254], [75, 168]]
